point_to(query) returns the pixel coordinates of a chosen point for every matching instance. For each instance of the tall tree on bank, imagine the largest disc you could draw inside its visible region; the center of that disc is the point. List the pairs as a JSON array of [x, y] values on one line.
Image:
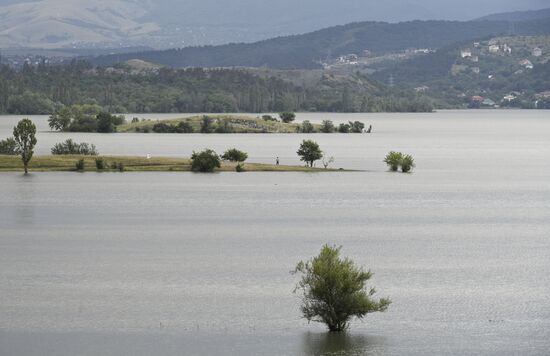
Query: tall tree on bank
[[309, 152], [25, 138]]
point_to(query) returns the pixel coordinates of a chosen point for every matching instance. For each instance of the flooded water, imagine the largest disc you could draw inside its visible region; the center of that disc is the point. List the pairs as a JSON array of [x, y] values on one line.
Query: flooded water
[[192, 264]]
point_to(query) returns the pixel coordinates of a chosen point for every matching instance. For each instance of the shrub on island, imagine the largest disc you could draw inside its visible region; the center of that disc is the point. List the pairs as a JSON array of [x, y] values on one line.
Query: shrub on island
[[69, 147], [205, 161], [234, 155]]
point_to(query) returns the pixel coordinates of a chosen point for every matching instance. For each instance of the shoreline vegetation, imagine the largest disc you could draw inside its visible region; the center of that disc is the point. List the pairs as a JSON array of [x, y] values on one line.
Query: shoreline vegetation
[[67, 163]]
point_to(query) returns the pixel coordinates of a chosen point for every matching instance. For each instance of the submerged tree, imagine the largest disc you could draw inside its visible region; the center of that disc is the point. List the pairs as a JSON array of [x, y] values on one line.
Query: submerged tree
[[334, 290], [309, 152], [25, 139]]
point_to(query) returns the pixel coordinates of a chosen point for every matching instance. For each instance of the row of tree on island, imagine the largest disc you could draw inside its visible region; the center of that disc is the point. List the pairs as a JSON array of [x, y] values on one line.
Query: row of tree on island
[[90, 118]]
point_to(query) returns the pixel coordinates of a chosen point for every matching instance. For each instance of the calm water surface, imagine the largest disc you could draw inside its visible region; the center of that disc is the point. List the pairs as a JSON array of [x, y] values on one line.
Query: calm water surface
[[182, 263]]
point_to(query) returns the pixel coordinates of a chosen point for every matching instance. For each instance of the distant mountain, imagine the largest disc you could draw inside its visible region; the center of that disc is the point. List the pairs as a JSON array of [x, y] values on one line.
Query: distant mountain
[[59, 23], [309, 50], [165, 24], [518, 16]]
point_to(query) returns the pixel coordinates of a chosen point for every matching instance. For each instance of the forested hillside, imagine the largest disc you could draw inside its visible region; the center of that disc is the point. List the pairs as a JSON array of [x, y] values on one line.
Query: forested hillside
[[309, 50], [149, 88]]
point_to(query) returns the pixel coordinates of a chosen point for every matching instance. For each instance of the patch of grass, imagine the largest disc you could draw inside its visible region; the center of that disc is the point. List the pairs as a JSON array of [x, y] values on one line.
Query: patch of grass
[[133, 164]]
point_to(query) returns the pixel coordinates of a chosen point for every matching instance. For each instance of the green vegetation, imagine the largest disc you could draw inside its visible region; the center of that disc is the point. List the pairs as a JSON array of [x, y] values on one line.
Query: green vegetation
[[306, 127], [69, 147], [80, 165], [334, 290], [309, 152], [8, 147], [394, 160], [287, 117], [84, 118], [407, 163], [47, 89], [25, 140], [327, 126], [205, 161], [100, 164], [235, 155]]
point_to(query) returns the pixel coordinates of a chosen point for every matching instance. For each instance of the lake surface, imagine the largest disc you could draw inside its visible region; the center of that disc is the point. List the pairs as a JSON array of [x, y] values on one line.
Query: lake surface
[[193, 264]]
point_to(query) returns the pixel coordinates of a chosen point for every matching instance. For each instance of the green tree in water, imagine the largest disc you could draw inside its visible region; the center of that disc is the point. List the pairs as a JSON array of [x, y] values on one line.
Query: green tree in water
[[25, 139], [334, 290], [309, 152]]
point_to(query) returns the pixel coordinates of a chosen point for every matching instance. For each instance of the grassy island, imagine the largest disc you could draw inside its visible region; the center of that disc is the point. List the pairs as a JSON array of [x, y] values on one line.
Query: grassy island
[[216, 124], [134, 164]]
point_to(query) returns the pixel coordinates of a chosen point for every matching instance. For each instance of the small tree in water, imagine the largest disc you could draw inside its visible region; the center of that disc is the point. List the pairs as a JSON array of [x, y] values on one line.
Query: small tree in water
[[25, 139], [334, 290]]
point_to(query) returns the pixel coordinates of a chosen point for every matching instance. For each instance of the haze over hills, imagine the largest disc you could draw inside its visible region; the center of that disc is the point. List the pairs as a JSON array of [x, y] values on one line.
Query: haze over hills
[[314, 49], [173, 23]]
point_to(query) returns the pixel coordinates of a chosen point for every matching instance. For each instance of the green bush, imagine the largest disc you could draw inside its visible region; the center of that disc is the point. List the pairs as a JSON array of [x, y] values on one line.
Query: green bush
[[99, 164], [397, 159], [327, 126], [234, 155], [205, 161], [306, 127], [120, 167], [69, 147], [8, 147], [287, 117], [239, 167], [184, 127], [407, 163], [80, 165], [356, 126], [393, 160], [344, 128], [334, 290]]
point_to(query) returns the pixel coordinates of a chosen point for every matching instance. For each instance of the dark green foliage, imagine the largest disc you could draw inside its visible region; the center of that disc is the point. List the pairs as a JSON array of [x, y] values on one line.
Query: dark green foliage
[[120, 167], [239, 167], [327, 126], [356, 126], [107, 123], [234, 155], [69, 147], [407, 163], [334, 290], [344, 128], [306, 127], [397, 159], [207, 125], [224, 126], [100, 164], [24, 135], [135, 120], [393, 160], [287, 117], [309, 152], [162, 127], [80, 165], [171, 90], [8, 147], [184, 127], [205, 161]]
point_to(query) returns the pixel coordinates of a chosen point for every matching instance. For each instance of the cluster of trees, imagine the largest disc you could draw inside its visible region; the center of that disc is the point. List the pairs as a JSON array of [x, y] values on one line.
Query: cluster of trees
[[46, 89], [84, 118], [208, 160], [69, 147], [396, 160]]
